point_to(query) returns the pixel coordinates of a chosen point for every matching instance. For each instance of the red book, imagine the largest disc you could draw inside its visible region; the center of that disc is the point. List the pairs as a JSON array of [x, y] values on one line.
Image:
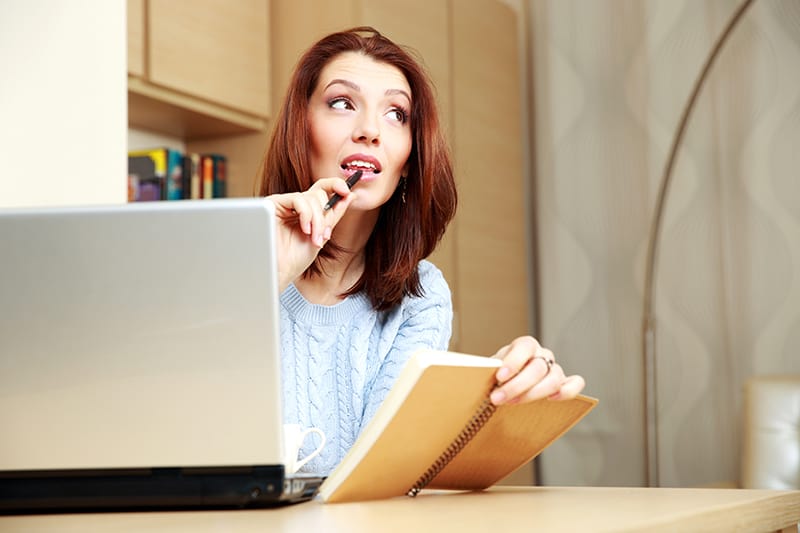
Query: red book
[[207, 176]]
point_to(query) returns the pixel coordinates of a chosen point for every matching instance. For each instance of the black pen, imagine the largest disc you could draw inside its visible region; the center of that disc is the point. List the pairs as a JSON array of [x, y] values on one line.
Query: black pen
[[352, 180]]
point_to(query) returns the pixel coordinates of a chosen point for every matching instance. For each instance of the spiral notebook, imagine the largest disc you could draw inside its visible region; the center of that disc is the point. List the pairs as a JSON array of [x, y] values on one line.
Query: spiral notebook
[[437, 429]]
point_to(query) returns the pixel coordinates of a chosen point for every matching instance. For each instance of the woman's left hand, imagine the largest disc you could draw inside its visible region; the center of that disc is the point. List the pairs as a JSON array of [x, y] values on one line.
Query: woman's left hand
[[529, 373]]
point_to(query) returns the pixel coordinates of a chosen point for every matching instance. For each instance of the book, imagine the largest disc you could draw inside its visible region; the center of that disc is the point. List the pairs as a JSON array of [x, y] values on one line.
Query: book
[[165, 180], [213, 176], [167, 174], [144, 184], [220, 175], [191, 176], [206, 177], [173, 180], [437, 429]]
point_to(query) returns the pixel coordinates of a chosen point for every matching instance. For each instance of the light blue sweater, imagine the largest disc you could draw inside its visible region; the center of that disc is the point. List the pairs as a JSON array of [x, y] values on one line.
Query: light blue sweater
[[340, 361]]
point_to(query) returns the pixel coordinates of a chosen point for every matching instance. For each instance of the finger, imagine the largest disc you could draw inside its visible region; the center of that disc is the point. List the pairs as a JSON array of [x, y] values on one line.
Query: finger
[[536, 380], [340, 187], [318, 223], [331, 186], [305, 212], [335, 214], [338, 210], [530, 375], [284, 205], [518, 353], [292, 208], [545, 388], [572, 386], [502, 352]]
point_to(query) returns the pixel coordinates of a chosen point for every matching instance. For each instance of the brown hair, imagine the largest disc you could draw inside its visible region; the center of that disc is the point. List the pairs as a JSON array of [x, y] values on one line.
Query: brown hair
[[407, 229]]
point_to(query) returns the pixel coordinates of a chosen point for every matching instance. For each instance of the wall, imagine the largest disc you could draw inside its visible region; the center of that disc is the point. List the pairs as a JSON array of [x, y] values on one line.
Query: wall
[[145, 140], [610, 79], [63, 102]]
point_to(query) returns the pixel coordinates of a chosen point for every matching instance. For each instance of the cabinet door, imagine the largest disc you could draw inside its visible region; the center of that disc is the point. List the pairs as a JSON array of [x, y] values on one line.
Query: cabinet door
[[491, 247], [212, 49], [136, 37]]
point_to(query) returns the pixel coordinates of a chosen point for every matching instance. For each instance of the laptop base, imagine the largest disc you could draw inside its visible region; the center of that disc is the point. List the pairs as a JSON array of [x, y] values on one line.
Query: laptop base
[[105, 490]]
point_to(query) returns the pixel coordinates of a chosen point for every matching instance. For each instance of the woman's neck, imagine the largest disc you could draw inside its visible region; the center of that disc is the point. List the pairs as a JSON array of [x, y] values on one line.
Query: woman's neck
[[343, 271]]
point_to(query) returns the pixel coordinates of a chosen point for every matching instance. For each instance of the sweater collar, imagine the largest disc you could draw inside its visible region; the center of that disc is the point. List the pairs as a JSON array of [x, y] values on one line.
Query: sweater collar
[[304, 311]]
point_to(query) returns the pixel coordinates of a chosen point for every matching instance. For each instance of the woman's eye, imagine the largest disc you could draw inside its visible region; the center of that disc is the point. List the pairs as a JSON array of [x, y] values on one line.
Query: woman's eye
[[340, 103], [398, 114]]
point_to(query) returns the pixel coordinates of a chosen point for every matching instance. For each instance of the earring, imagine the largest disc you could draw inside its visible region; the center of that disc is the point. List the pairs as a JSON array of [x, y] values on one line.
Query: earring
[[403, 189]]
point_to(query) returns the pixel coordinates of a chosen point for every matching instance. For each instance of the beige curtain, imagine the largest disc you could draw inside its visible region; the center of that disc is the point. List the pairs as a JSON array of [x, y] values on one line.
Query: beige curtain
[[609, 80]]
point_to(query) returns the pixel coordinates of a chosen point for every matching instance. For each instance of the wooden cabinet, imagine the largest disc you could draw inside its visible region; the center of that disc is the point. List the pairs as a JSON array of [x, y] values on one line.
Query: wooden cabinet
[[136, 38], [198, 68], [216, 50], [491, 250]]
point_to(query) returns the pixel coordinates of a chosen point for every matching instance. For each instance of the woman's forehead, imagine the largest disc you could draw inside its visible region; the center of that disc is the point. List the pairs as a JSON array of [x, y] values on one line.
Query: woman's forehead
[[362, 70]]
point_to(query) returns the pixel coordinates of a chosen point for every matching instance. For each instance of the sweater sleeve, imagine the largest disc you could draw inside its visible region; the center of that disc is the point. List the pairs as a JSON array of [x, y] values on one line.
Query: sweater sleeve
[[426, 323]]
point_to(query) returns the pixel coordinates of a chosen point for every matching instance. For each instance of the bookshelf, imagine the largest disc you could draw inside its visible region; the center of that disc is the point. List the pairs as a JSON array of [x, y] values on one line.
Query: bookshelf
[[165, 111], [199, 72]]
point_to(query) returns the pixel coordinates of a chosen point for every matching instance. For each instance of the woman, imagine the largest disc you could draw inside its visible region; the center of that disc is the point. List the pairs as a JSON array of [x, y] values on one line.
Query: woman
[[358, 297]]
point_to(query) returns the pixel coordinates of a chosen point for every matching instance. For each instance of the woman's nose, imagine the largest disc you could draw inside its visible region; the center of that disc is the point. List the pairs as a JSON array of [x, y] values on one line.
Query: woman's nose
[[367, 130]]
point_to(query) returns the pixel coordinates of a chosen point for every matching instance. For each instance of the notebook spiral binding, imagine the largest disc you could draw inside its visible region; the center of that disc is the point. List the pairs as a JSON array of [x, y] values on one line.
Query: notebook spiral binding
[[481, 416]]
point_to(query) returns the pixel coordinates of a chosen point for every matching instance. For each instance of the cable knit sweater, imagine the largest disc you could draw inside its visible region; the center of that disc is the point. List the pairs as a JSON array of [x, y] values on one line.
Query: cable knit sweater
[[340, 361]]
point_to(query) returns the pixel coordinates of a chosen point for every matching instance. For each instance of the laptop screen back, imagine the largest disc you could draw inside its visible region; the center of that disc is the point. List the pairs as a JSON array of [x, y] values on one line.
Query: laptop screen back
[[140, 335]]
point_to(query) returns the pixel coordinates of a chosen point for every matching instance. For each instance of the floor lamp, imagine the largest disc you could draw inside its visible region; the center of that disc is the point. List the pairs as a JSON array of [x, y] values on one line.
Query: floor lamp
[[648, 316]]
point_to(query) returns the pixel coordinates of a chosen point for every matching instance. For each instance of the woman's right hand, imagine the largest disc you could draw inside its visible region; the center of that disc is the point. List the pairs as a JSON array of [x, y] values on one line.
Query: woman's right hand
[[304, 226]]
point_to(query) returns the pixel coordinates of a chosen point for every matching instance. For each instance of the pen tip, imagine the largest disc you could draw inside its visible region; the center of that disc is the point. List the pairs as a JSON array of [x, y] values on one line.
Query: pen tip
[[352, 180]]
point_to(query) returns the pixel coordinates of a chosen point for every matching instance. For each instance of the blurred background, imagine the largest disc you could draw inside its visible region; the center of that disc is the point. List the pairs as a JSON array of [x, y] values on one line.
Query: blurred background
[[560, 114]]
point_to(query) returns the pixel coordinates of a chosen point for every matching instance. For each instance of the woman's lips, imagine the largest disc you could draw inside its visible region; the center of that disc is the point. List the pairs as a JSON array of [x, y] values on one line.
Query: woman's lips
[[368, 164], [366, 175]]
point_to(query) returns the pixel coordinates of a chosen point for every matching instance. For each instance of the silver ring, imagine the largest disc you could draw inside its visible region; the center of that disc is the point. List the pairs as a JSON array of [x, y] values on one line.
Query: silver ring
[[548, 362]]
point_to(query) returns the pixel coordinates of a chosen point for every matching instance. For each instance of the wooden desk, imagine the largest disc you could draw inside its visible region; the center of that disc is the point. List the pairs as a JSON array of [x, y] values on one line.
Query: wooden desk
[[501, 509]]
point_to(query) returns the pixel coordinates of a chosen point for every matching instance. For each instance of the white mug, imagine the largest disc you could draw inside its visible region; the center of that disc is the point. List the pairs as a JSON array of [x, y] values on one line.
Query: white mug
[[293, 437]]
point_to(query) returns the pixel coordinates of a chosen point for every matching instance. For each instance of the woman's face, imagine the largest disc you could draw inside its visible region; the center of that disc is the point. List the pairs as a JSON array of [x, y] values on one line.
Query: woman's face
[[359, 117]]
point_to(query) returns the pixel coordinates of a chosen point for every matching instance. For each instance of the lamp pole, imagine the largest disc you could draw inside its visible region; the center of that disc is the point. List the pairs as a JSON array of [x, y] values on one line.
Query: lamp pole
[[648, 316]]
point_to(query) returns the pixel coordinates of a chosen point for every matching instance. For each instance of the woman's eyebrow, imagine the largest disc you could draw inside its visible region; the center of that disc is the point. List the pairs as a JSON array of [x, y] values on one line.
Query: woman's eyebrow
[[355, 87], [348, 83], [391, 92]]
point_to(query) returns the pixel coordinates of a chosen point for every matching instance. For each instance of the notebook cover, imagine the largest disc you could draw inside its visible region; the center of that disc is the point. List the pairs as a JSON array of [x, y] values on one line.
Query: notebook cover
[[433, 399]]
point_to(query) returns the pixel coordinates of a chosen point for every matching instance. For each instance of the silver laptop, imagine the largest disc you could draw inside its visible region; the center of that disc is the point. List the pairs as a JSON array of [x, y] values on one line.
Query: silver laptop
[[139, 358]]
